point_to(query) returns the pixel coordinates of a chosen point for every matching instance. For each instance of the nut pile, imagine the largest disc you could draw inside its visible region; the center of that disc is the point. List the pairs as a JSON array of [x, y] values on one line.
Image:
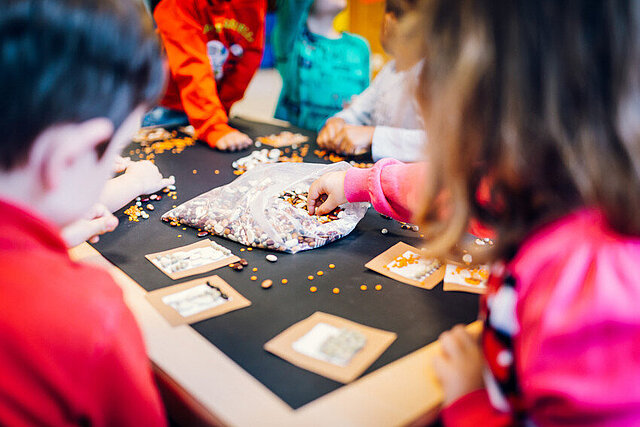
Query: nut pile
[[253, 213], [283, 139], [268, 156]]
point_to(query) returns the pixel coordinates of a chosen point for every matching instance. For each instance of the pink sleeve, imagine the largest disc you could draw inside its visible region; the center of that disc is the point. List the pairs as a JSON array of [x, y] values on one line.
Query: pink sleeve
[[473, 410], [392, 187], [578, 353]]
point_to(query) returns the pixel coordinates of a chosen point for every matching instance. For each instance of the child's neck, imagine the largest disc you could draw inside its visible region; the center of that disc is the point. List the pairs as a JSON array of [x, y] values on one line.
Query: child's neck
[[323, 26]]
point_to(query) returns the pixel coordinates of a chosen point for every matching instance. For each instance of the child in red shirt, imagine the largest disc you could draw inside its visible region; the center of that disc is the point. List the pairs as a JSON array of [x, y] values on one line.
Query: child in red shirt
[[214, 48], [75, 78]]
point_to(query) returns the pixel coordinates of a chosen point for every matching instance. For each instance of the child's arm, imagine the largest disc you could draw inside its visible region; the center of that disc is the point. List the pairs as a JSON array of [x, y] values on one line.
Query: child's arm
[[98, 221], [291, 18], [459, 369], [392, 187], [140, 178], [190, 67], [406, 145]]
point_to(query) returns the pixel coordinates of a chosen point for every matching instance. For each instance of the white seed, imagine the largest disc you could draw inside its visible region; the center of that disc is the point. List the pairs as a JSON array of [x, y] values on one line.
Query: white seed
[[467, 258], [384, 231], [271, 258]]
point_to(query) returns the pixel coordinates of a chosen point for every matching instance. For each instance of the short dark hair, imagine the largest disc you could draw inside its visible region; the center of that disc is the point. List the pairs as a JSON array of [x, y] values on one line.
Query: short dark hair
[[399, 7], [65, 61]]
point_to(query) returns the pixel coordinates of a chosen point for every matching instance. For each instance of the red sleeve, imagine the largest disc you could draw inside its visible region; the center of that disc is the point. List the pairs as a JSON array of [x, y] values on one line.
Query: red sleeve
[[184, 42], [473, 410], [127, 393], [236, 81]]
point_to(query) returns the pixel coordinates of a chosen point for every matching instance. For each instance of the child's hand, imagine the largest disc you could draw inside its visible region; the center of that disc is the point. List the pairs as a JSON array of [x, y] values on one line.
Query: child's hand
[[459, 367], [328, 133], [97, 222], [326, 193], [234, 141], [354, 140], [146, 177], [122, 163]]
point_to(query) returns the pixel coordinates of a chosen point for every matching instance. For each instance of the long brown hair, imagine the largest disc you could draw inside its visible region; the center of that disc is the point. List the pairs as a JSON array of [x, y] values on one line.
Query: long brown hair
[[539, 100]]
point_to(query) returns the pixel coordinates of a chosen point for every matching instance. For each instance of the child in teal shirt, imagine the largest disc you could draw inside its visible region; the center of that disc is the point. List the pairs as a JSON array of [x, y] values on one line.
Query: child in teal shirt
[[321, 69]]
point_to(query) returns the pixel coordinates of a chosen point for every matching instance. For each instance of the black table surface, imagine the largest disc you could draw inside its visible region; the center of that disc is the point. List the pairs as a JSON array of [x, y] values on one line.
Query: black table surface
[[416, 315]]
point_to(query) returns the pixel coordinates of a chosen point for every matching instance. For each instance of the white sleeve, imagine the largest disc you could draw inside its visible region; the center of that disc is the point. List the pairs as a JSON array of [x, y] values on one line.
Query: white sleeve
[[406, 145]]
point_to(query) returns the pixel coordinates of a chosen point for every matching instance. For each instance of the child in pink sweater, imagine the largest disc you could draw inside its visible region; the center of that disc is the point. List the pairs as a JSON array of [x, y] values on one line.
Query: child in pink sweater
[[551, 122]]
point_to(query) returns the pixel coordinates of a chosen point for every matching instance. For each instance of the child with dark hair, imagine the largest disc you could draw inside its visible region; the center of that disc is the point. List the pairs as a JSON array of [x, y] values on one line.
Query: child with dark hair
[[384, 119], [538, 102], [321, 68], [75, 78], [214, 48]]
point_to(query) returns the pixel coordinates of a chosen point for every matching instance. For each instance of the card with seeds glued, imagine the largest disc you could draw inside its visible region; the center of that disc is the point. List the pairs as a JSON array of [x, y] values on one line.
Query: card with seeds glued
[[196, 258], [463, 278], [196, 300], [331, 346], [406, 264]]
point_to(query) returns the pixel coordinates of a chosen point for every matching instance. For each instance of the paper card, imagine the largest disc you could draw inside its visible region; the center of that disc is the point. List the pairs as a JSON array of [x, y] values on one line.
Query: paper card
[[331, 346], [196, 258], [283, 139], [466, 279], [196, 300], [405, 264]]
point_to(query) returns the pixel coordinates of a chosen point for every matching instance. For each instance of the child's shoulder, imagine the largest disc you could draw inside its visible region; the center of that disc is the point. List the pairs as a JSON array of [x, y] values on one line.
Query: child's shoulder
[[357, 42], [576, 251], [72, 302]]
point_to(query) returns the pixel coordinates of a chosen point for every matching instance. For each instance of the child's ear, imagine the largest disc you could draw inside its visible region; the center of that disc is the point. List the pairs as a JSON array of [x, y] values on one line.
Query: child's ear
[[61, 147]]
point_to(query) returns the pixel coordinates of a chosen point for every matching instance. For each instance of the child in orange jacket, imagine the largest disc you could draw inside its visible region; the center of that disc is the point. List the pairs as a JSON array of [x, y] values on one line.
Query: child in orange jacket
[[214, 48]]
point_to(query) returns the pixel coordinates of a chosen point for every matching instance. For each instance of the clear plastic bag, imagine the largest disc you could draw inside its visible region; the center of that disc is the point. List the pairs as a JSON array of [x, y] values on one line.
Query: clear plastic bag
[[253, 210]]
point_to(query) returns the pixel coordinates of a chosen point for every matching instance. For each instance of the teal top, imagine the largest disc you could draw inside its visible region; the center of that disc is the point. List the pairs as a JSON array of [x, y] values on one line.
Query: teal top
[[320, 75]]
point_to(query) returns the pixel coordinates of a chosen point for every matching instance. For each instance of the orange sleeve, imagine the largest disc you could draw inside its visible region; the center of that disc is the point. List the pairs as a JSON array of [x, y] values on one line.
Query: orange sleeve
[[184, 42], [235, 82]]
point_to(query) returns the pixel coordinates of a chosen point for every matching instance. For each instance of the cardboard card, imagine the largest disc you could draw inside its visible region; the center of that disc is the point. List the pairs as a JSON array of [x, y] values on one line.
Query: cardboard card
[[317, 345], [196, 300], [459, 277], [195, 269], [406, 264]]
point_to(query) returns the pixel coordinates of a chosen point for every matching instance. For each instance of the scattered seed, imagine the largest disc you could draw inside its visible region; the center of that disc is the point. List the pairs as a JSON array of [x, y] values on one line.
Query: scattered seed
[[244, 262], [179, 235], [150, 207], [254, 269], [363, 287], [384, 231], [332, 266], [378, 287], [195, 171], [271, 258], [313, 289], [267, 284], [217, 172], [336, 290], [242, 250], [153, 197], [467, 258], [415, 228], [202, 233], [285, 281], [254, 277], [249, 249], [320, 273], [310, 277]]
